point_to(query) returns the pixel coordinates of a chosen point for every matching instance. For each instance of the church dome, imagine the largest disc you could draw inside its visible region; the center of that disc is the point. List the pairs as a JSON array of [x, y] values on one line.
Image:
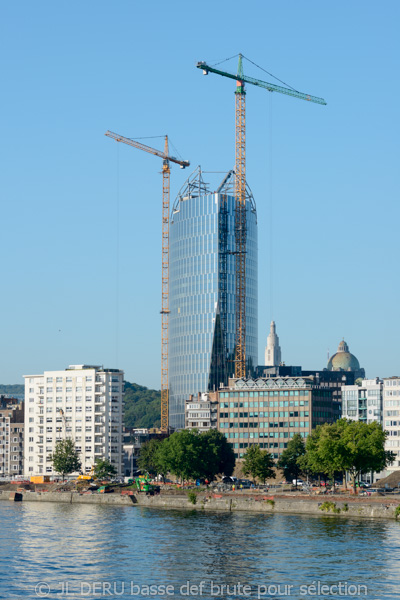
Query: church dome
[[343, 360]]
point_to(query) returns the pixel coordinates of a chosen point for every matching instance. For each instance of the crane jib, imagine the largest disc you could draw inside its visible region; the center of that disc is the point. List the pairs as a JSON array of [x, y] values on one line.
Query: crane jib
[[271, 87]]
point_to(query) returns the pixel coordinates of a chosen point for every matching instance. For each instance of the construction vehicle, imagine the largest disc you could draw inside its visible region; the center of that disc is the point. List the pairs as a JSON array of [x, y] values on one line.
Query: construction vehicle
[[240, 193], [86, 476], [165, 259], [105, 489], [143, 484]]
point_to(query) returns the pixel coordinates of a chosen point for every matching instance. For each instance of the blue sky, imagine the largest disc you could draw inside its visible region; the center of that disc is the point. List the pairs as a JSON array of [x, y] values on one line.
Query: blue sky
[[81, 215]]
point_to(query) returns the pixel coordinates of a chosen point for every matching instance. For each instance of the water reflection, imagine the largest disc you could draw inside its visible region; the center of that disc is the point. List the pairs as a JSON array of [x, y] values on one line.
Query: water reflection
[[79, 544]]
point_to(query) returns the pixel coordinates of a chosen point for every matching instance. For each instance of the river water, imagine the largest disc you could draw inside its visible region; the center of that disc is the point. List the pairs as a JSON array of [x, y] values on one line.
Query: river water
[[73, 552]]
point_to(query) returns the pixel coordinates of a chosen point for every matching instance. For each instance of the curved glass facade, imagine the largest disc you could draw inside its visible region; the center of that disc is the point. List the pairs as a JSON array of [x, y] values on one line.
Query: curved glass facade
[[202, 294]]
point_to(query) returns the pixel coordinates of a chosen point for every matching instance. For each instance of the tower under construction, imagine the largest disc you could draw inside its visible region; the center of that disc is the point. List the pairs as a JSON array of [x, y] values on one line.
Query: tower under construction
[[202, 321]]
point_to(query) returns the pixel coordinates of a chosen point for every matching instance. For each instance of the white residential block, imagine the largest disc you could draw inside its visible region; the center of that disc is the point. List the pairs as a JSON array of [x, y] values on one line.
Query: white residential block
[[82, 402]]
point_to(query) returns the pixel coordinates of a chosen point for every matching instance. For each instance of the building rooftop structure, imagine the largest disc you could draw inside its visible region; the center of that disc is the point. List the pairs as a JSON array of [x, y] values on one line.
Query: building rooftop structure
[[343, 360], [273, 355]]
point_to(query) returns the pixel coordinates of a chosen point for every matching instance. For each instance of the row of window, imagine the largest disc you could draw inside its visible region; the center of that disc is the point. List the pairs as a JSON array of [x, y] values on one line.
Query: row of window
[[270, 393], [261, 434], [60, 399], [264, 425], [264, 404], [268, 415]]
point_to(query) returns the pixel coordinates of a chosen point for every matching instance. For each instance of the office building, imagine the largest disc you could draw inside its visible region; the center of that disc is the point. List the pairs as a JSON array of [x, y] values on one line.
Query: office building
[[202, 290], [82, 402], [268, 412], [391, 419], [363, 402]]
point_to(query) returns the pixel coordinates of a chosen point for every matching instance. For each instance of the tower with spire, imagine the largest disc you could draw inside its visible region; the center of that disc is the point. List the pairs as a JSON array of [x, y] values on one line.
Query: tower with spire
[[273, 356]]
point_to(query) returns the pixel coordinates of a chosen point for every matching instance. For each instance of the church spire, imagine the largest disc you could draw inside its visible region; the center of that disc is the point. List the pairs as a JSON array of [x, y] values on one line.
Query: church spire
[[273, 350]]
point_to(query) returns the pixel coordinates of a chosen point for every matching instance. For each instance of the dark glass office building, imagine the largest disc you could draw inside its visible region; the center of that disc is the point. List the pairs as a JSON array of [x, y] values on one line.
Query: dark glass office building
[[202, 290]]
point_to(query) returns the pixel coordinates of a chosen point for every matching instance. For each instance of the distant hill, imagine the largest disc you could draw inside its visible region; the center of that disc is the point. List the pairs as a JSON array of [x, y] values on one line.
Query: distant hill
[[142, 406], [17, 389]]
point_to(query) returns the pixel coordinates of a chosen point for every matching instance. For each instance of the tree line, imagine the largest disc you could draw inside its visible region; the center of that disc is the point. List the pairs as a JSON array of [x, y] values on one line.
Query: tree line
[[354, 447], [344, 446], [188, 454]]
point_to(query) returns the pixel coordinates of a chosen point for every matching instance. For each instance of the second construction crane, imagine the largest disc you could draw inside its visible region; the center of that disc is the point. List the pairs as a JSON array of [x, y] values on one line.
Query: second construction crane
[[165, 259], [240, 193]]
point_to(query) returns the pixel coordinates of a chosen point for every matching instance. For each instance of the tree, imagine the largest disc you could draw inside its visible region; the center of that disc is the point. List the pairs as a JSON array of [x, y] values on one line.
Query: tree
[[189, 454], [149, 459], [289, 460], [103, 468], [65, 458], [323, 452], [181, 454], [258, 463], [217, 454], [352, 446], [362, 448]]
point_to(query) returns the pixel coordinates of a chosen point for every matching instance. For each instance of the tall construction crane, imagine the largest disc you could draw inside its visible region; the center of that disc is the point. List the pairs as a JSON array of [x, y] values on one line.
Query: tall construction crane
[[240, 194], [165, 259]]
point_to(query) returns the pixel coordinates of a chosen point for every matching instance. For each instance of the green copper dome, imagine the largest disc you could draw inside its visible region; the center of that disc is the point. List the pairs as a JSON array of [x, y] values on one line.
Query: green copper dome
[[343, 360]]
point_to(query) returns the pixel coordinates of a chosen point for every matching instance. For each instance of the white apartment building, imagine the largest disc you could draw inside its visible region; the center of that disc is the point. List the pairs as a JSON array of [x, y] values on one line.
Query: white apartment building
[[363, 402], [201, 412], [391, 419], [83, 402]]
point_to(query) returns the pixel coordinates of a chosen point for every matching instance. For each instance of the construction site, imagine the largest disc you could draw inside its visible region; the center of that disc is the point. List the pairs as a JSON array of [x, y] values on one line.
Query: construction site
[[209, 321]]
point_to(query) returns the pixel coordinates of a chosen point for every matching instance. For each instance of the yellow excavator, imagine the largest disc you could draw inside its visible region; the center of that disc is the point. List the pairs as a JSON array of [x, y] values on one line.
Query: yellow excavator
[[86, 476]]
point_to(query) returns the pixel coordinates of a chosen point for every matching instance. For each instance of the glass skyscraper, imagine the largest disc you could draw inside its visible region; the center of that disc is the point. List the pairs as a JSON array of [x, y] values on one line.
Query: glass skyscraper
[[202, 290]]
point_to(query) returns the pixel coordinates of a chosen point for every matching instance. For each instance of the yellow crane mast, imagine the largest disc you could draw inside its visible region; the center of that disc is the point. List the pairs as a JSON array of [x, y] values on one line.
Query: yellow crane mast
[[165, 259], [240, 193]]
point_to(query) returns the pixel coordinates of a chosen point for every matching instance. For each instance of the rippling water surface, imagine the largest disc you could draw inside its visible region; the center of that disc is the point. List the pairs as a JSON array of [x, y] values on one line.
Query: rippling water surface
[[74, 552]]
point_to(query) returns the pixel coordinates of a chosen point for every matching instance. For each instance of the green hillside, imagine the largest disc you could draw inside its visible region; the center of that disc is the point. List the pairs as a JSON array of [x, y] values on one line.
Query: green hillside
[[9, 390], [142, 406]]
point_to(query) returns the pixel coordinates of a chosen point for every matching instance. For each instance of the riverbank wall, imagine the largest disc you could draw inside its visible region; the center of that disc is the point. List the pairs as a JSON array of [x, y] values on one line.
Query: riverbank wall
[[341, 507], [70, 498], [381, 507]]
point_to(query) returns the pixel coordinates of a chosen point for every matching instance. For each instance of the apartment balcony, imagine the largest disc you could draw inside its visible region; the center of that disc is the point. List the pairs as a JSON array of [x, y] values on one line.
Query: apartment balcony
[[100, 390]]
